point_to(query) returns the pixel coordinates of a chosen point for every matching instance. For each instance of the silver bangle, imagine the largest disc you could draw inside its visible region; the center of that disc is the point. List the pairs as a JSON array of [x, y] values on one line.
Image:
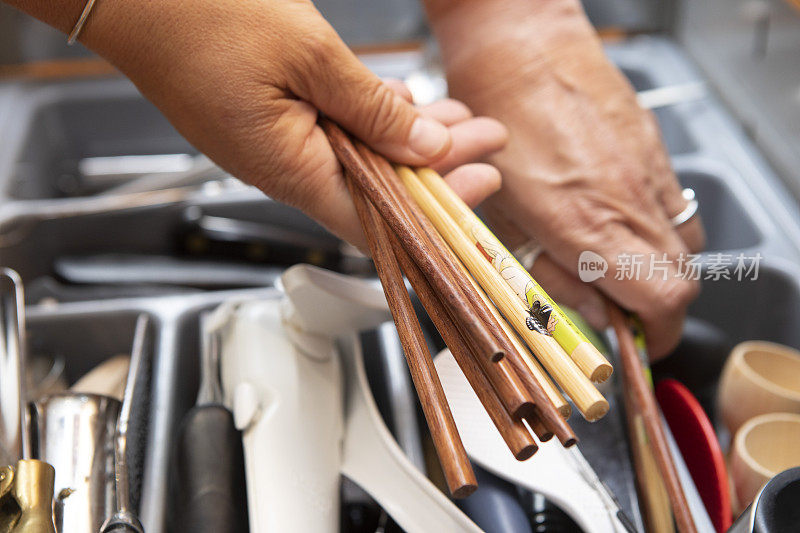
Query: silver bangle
[[689, 211], [73, 36]]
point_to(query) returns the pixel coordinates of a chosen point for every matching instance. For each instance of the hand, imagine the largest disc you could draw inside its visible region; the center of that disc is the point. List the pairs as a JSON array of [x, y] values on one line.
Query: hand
[[585, 168], [243, 82]]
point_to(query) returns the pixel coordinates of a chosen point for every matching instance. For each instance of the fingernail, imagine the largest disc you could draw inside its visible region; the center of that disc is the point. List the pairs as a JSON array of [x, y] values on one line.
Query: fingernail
[[428, 138], [594, 312]]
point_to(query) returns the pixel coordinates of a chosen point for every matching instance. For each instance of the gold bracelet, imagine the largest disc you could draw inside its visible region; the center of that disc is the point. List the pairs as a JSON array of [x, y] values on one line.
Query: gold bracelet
[[73, 36]]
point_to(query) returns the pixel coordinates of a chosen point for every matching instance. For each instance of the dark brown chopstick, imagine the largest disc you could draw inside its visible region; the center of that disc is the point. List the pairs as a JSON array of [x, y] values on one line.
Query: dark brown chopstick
[[644, 402], [514, 369], [451, 264], [367, 180], [545, 411], [539, 429], [452, 455], [514, 433]]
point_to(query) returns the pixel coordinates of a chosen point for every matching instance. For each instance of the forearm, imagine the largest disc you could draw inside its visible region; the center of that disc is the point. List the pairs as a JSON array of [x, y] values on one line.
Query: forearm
[[61, 14]]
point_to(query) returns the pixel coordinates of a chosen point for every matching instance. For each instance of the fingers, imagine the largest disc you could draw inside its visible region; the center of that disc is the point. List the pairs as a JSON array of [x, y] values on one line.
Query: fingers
[[641, 279], [670, 195], [474, 183], [473, 140], [690, 232], [340, 86], [400, 88], [448, 111]]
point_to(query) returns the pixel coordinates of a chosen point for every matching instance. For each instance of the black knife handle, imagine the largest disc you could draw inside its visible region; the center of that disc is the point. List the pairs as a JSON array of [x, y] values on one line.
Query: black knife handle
[[208, 471]]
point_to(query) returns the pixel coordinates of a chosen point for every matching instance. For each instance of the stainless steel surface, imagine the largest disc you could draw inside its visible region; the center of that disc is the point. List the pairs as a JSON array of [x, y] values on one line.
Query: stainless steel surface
[[142, 270], [748, 51], [14, 441], [401, 395], [670, 95], [124, 519], [201, 171], [210, 385], [231, 229], [75, 434]]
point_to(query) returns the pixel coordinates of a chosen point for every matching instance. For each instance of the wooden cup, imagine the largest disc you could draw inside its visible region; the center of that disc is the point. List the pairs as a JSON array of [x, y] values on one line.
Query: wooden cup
[[763, 447], [759, 377]]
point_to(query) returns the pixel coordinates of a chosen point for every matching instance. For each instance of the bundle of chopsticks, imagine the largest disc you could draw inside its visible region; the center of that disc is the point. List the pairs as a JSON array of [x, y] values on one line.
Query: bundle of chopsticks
[[508, 337]]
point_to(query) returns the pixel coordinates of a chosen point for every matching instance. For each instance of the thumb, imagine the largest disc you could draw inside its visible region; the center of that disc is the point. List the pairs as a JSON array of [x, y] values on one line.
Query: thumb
[[351, 95]]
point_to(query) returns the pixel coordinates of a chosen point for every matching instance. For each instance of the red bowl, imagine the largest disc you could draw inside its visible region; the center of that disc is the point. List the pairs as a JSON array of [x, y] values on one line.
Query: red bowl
[[700, 448]]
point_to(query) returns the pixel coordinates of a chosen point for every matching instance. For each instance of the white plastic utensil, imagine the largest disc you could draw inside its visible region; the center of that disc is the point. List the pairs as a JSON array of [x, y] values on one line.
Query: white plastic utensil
[[559, 474], [293, 374]]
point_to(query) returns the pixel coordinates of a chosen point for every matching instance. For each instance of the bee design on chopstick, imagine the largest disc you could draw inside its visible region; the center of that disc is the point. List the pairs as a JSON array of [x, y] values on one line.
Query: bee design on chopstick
[[539, 319]]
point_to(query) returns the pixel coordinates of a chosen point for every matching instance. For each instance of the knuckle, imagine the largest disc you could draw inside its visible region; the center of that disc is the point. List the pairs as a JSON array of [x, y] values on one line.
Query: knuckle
[[379, 119]]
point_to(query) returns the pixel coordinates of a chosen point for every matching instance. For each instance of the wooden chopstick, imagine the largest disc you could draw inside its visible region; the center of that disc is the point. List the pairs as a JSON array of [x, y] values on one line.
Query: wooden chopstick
[[586, 356], [545, 418], [452, 455], [438, 246], [653, 497], [644, 405], [515, 369], [513, 431], [396, 215], [512, 379], [553, 394], [585, 395]]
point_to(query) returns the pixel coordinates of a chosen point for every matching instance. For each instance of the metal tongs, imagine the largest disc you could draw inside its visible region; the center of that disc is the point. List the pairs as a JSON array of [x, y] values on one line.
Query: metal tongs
[[124, 518]]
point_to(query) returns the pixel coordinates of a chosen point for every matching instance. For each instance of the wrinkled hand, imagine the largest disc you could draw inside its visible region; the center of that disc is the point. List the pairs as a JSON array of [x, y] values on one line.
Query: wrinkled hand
[[243, 82], [584, 169]]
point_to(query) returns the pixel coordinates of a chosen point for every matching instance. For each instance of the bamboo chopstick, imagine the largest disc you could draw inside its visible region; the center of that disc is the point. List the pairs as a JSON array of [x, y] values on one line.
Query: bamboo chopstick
[[513, 367], [400, 222], [586, 356], [653, 497], [409, 231], [644, 403], [437, 244], [513, 431], [452, 455], [545, 420], [553, 394], [586, 397], [487, 310]]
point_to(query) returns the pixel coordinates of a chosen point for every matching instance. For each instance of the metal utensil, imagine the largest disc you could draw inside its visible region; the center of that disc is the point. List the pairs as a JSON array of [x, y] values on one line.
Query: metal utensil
[[33, 492], [202, 169], [13, 439], [124, 518], [672, 95], [209, 459], [32, 483], [75, 434], [137, 269]]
